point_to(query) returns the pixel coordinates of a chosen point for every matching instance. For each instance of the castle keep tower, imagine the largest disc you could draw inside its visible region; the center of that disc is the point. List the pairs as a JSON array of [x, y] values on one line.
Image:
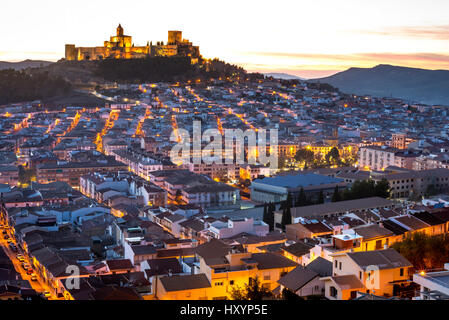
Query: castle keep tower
[[174, 37], [119, 31]]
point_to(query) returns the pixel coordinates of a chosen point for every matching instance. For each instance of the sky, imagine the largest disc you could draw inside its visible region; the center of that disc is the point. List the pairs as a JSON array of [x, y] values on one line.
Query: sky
[[305, 38]]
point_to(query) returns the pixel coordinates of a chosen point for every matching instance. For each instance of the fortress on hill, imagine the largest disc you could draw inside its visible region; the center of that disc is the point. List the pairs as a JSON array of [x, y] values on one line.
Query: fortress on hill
[[121, 46]]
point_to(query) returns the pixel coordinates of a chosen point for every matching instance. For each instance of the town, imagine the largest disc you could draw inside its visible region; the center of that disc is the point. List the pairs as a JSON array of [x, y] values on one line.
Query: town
[[360, 180]]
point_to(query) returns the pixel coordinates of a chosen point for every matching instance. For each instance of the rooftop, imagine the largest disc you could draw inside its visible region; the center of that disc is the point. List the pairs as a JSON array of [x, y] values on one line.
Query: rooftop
[[298, 180]]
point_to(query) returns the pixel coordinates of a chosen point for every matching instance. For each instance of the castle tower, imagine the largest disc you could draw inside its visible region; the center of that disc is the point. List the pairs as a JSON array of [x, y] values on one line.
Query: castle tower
[[119, 31], [70, 52], [174, 37]]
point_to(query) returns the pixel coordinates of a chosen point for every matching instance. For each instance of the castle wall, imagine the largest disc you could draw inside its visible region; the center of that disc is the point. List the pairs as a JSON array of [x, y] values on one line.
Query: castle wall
[[121, 47]]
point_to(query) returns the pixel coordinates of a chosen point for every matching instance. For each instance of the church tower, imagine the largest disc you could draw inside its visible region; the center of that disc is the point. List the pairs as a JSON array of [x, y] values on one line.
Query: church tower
[[119, 31]]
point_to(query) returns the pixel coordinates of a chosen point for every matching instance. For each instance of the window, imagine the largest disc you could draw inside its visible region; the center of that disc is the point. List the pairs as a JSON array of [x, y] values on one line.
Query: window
[[378, 244], [336, 264], [231, 282], [360, 275], [217, 284], [340, 266], [353, 294], [333, 292], [401, 272]]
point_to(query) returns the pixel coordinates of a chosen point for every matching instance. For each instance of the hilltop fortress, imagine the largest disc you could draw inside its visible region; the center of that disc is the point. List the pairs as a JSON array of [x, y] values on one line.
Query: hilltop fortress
[[121, 46]]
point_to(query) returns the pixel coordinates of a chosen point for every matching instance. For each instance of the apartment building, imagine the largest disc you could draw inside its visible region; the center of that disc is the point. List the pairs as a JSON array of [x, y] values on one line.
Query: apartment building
[[70, 172], [377, 272], [219, 267]]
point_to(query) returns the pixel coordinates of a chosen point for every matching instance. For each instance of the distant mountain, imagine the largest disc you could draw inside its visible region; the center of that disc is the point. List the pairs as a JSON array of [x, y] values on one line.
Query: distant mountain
[[24, 64], [284, 76], [417, 85]]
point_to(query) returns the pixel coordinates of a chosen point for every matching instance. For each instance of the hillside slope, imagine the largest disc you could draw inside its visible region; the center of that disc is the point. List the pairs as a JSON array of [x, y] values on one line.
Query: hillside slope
[[24, 64], [418, 85]]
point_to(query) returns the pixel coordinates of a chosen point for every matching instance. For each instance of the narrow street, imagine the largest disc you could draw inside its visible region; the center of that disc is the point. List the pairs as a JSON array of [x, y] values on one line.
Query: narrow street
[[40, 286]]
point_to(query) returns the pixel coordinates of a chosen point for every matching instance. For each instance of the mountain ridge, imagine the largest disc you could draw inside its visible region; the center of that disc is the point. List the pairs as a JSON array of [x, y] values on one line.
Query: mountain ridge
[[20, 65], [284, 76], [384, 80]]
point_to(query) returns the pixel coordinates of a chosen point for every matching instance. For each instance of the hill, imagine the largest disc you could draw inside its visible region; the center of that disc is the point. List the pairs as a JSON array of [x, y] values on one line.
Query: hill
[[24, 64], [19, 86], [412, 84], [150, 69], [284, 76]]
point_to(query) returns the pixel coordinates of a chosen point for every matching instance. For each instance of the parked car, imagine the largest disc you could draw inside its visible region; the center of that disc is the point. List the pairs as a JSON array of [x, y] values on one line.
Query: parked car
[[6, 237], [25, 266], [46, 294], [9, 240], [5, 232], [33, 277], [30, 271], [21, 259]]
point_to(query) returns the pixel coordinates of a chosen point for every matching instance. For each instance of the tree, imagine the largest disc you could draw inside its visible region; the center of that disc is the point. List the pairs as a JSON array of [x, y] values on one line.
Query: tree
[[424, 251], [305, 155], [431, 190], [286, 201], [320, 197], [253, 290], [301, 200], [359, 190], [333, 156], [286, 217], [336, 195], [366, 189], [265, 212], [382, 189], [268, 215]]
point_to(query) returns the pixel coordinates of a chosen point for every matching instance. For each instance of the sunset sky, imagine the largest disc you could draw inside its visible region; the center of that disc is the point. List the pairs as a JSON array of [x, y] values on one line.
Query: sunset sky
[[305, 38]]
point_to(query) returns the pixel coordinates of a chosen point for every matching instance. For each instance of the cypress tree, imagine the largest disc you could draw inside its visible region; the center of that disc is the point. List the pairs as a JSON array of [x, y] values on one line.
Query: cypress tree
[[321, 197], [302, 200], [265, 213], [286, 217], [271, 209], [289, 200], [336, 196]]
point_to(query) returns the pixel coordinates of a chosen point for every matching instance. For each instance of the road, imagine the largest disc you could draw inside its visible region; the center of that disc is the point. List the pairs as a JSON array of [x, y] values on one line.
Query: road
[[40, 286]]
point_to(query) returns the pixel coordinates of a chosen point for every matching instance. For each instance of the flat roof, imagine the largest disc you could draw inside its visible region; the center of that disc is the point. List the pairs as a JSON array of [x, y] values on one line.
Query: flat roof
[[298, 180], [340, 207], [347, 236]]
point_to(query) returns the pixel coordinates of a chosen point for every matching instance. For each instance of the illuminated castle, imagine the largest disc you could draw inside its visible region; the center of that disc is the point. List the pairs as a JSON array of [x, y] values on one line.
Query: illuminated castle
[[121, 46]]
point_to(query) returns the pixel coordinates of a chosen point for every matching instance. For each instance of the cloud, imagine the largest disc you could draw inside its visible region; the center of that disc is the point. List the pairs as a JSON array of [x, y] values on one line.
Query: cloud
[[315, 65], [439, 32], [369, 59]]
